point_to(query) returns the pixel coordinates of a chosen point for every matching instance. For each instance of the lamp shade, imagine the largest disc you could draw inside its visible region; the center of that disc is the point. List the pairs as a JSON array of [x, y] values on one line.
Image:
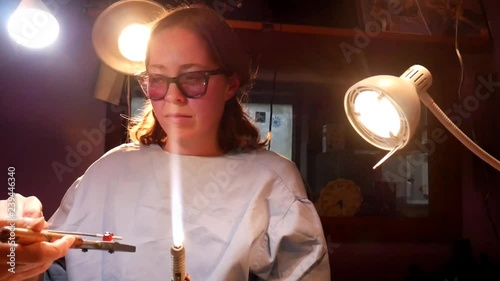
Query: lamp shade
[[385, 111], [108, 28], [398, 105]]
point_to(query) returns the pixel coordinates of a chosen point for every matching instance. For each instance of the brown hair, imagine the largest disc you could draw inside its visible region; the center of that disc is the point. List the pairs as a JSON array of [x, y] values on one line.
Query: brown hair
[[236, 131]]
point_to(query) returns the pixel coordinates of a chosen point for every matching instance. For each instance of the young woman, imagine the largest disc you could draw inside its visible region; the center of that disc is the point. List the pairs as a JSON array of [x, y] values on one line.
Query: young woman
[[245, 213]]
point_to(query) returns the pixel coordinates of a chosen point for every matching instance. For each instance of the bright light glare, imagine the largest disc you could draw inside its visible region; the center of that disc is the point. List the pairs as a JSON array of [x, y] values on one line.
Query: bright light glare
[[133, 42], [33, 28], [176, 203], [377, 114]]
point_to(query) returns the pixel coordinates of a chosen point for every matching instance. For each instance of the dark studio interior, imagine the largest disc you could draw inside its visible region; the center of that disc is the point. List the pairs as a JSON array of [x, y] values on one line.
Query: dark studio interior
[[437, 220]]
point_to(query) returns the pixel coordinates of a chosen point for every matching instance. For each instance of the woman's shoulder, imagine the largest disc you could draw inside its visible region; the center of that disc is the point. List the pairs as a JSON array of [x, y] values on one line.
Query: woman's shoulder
[[265, 159], [264, 156], [122, 159], [130, 149], [127, 153], [279, 168]]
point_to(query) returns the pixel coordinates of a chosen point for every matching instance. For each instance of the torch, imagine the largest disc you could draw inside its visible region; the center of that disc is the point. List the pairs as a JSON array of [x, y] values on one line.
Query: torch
[[177, 252], [178, 263]]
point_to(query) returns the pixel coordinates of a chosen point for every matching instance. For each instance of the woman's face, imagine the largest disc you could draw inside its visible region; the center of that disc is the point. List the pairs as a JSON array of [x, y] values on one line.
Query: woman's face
[[189, 123]]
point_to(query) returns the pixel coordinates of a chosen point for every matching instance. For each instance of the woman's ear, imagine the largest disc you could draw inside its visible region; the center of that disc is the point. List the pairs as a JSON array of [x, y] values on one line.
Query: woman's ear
[[233, 84]]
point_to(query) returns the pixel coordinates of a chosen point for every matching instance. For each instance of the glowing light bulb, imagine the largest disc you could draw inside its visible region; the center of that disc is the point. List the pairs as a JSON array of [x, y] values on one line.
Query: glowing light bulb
[[377, 114], [33, 28], [133, 42]]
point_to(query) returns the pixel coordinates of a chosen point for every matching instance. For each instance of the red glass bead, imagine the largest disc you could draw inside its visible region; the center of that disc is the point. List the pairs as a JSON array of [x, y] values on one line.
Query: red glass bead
[[108, 236]]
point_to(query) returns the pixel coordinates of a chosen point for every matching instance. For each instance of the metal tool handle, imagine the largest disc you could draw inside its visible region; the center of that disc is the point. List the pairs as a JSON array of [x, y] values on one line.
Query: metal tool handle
[[24, 236]]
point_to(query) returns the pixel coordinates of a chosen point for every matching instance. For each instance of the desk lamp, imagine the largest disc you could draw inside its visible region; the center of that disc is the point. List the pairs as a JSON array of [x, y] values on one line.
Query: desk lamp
[[385, 111], [120, 36]]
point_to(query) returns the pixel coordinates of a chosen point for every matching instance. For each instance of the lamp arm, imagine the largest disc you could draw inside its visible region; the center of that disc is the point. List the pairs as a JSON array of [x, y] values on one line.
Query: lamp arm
[[463, 138]]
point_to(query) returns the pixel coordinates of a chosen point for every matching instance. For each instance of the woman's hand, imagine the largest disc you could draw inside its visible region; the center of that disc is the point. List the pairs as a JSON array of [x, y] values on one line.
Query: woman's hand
[[20, 262]]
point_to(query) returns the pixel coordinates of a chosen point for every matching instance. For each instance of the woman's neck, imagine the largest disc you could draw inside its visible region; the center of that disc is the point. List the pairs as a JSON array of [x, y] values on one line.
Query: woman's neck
[[193, 149]]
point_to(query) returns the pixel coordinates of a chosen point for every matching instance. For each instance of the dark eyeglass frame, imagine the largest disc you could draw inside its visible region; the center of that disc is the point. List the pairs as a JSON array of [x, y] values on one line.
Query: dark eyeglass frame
[[206, 73]]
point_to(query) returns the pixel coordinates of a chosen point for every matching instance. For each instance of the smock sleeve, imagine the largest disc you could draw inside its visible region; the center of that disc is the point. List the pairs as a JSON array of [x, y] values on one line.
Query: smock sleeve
[[293, 247], [299, 243], [83, 203], [61, 214]]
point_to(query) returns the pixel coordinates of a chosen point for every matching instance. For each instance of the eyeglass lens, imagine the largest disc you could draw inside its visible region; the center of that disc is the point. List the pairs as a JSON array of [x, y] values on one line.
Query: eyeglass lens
[[190, 84]]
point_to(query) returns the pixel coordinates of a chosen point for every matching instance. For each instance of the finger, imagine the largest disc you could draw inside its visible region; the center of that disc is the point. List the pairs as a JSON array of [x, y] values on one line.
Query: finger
[[37, 224], [18, 201], [3, 209], [26, 260], [8, 208], [44, 251], [32, 223], [13, 270], [7, 222], [31, 208], [12, 263], [33, 272]]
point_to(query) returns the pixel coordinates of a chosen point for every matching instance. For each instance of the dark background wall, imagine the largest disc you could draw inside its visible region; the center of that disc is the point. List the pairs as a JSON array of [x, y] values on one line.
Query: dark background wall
[[46, 106], [50, 117]]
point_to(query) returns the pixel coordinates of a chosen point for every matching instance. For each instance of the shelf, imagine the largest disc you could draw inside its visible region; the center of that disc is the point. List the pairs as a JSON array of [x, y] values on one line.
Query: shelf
[[468, 43]]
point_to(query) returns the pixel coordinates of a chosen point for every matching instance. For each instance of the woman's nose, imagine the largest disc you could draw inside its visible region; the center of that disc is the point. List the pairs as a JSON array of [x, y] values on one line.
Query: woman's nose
[[174, 94]]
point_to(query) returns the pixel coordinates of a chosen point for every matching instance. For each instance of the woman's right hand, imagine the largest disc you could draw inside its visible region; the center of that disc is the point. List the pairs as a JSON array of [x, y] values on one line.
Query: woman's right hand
[[21, 262]]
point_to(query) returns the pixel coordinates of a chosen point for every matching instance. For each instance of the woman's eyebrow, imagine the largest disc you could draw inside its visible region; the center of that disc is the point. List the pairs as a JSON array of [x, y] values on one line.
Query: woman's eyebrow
[[157, 66], [182, 68], [191, 65]]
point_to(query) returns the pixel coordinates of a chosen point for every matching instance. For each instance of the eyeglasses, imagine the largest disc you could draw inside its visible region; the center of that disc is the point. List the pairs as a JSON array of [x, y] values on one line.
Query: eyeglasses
[[192, 85]]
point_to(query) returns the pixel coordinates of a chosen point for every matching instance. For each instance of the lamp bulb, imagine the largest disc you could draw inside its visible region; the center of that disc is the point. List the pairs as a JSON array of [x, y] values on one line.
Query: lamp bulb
[[133, 42], [377, 113], [33, 28]]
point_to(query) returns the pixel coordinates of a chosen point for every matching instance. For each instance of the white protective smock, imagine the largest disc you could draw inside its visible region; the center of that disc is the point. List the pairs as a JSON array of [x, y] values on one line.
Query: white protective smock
[[245, 216]]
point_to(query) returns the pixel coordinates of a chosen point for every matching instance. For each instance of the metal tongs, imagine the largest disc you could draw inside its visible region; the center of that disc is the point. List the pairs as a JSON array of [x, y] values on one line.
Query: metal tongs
[[25, 236]]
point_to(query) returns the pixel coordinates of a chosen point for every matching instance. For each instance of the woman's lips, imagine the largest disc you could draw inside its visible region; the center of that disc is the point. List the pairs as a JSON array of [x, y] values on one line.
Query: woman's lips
[[178, 118]]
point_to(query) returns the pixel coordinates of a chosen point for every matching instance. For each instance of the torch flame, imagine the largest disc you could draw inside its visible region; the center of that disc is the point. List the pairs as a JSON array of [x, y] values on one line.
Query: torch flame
[[177, 227]]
